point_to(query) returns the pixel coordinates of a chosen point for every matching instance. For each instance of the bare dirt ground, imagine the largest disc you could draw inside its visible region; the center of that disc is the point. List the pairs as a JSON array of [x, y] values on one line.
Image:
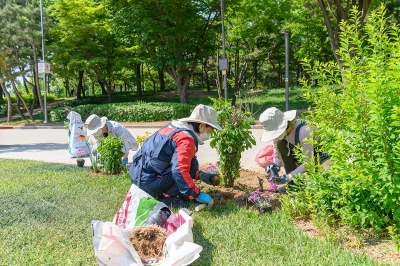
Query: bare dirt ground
[[382, 250]]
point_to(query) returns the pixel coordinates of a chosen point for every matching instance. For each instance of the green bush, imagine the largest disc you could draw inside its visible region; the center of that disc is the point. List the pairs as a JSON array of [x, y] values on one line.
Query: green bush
[[3, 109], [357, 120], [233, 141], [110, 151], [126, 112]]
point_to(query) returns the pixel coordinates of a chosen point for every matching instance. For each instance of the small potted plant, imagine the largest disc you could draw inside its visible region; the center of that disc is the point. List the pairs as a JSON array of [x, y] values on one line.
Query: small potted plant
[[80, 162], [261, 201]]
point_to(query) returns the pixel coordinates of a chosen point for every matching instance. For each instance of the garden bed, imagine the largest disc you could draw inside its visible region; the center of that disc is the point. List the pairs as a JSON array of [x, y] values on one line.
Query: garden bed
[[381, 249]]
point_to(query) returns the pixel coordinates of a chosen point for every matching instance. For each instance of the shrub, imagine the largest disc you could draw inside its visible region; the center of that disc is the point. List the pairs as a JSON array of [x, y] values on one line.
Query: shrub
[[110, 150], [126, 112], [357, 120], [233, 141]]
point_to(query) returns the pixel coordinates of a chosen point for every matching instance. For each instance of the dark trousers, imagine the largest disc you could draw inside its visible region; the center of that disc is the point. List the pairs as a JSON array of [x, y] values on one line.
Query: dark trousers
[[288, 160], [165, 184]]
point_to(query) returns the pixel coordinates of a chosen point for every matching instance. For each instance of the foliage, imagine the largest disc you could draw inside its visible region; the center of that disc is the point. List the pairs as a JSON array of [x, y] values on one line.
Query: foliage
[[172, 35], [230, 143], [110, 154], [80, 154], [141, 139], [47, 209], [3, 110], [127, 112], [357, 122]]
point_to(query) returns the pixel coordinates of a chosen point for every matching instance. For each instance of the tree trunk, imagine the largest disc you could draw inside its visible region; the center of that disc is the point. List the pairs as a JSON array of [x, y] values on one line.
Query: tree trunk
[[9, 102], [161, 79], [79, 87], [18, 96], [36, 76], [183, 84], [67, 90], [255, 73], [138, 82], [206, 74], [152, 79], [341, 15]]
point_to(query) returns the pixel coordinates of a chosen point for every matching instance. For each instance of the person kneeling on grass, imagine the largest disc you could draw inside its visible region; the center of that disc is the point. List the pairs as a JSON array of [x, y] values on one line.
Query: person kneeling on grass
[[102, 127], [280, 128], [166, 164]]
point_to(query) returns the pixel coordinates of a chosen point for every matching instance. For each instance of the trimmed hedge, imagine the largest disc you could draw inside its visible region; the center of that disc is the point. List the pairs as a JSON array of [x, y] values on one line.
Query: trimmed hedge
[[127, 112]]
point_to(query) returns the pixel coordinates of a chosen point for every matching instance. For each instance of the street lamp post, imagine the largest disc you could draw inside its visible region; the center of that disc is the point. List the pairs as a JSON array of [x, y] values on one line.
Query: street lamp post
[[286, 66], [44, 72], [223, 65]]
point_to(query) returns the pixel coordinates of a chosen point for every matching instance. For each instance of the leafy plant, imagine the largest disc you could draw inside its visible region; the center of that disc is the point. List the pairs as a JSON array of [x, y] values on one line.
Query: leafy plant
[[357, 122], [140, 139], [233, 141], [110, 154], [260, 199]]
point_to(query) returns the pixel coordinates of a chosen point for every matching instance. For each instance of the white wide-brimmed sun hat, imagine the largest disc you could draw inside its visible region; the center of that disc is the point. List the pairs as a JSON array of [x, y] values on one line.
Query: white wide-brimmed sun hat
[[94, 123], [203, 114], [274, 122]]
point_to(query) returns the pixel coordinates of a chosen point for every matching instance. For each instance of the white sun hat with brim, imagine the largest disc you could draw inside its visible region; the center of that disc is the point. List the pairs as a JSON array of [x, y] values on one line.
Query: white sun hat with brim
[[94, 123], [274, 122], [203, 114]]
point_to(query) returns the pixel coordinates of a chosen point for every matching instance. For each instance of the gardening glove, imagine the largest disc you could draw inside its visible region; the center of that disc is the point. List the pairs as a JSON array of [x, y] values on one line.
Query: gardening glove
[[124, 161], [205, 198], [206, 177], [280, 180], [272, 170]]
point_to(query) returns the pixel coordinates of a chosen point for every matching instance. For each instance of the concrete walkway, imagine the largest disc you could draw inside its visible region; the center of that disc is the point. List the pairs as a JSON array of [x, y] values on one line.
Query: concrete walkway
[[50, 144]]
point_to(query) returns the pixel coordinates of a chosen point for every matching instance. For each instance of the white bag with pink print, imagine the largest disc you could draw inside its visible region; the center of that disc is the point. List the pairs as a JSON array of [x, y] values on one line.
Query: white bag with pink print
[[112, 246]]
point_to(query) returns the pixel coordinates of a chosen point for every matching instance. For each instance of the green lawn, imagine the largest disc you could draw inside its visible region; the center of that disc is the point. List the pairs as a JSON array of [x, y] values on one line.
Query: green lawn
[[46, 211]]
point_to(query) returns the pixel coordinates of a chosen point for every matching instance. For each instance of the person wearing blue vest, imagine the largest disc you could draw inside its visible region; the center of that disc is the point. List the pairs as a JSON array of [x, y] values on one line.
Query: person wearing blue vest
[[166, 165], [280, 128]]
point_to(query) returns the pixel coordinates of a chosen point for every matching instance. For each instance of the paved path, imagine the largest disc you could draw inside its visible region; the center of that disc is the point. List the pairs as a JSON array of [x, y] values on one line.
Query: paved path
[[50, 144]]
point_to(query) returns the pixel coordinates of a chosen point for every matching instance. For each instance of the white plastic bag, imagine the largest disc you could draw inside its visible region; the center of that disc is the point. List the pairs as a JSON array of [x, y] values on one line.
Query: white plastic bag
[[77, 146], [112, 246]]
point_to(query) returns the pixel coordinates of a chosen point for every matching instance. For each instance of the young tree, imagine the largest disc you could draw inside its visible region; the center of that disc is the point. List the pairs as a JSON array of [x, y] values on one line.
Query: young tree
[[175, 35]]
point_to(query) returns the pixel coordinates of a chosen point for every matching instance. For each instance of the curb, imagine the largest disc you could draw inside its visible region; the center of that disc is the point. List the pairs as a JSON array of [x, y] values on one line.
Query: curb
[[6, 127]]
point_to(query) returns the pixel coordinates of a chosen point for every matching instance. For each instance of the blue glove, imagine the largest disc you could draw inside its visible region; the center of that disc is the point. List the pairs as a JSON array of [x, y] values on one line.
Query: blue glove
[[124, 161], [280, 180], [205, 198], [272, 170]]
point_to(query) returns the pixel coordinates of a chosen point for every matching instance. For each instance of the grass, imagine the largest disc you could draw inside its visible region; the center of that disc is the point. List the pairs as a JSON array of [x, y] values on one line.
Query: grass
[[46, 212], [255, 102]]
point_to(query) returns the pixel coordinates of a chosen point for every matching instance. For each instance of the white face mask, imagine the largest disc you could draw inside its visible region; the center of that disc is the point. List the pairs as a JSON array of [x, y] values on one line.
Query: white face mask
[[281, 136], [98, 134], [204, 136]]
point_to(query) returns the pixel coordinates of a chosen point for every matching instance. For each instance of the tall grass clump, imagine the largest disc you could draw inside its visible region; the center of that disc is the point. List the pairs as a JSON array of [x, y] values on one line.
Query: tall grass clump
[[357, 122]]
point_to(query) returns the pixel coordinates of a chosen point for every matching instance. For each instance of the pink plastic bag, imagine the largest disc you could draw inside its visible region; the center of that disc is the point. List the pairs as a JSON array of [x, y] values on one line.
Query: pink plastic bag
[[265, 156]]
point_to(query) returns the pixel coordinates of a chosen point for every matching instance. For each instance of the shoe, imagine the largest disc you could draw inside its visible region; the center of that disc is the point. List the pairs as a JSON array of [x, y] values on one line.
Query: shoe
[[174, 202]]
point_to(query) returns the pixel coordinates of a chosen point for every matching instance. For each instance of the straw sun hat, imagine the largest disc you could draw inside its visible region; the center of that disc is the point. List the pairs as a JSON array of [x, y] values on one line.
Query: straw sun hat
[[274, 122], [203, 114], [94, 123]]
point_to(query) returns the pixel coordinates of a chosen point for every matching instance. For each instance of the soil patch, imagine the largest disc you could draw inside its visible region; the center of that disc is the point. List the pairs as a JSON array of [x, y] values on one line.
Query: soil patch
[[382, 250]]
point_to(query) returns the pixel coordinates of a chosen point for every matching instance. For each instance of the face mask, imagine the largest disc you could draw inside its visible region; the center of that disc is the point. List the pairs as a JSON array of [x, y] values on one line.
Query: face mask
[[281, 136], [98, 134], [204, 136]]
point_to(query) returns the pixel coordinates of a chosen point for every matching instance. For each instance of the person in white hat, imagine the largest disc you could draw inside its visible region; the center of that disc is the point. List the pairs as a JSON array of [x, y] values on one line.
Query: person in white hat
[[166, 165], [280, 128], [102, 127]]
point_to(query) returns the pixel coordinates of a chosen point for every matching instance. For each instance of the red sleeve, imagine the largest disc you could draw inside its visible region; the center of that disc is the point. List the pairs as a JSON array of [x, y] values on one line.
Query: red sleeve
[[185, 152]]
